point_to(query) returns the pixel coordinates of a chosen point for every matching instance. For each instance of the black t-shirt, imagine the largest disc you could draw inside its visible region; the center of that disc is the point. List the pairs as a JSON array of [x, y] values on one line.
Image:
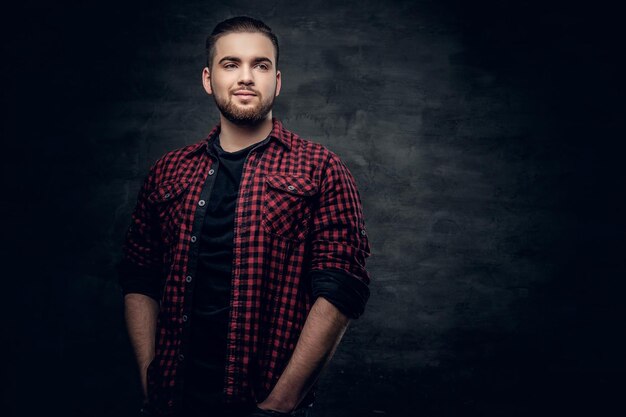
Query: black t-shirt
[[204, 378]]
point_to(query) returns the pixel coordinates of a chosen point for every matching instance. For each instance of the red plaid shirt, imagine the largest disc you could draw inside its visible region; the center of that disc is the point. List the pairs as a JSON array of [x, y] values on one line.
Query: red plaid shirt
[[298, 210]]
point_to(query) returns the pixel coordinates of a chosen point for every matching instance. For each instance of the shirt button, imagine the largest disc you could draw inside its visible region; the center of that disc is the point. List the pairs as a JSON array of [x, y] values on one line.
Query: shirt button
[[188, 279], [363, 232], [201, 203], [167, 195], [193, 239], [181, 357], [185, 318], [291, 187], [211, 171]]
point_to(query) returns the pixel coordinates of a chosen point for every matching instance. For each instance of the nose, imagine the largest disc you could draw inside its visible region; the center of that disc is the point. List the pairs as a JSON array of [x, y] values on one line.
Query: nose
[[245, 76]]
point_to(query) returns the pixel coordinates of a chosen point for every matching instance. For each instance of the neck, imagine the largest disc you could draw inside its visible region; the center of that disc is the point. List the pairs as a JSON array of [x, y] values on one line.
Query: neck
[[235, 137]]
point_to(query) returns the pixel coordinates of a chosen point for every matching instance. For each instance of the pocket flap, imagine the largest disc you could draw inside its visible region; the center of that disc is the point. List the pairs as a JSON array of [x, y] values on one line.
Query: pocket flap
[[168, 191], [301, 186]]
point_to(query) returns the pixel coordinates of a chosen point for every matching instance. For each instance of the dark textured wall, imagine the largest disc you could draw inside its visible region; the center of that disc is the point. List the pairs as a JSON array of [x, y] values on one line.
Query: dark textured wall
[[485, 141]]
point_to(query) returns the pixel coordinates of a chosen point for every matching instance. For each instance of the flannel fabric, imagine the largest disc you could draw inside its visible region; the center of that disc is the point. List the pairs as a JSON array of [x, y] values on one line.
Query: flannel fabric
[[298, 211]]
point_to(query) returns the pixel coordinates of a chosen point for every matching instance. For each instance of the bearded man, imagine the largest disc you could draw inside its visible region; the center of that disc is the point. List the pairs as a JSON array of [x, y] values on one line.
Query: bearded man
[[245, 258]]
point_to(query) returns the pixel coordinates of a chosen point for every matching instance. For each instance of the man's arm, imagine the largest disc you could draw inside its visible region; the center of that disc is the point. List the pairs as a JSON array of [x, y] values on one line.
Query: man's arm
[[141, 313], [324, 327], [338, 242], [140, 276]]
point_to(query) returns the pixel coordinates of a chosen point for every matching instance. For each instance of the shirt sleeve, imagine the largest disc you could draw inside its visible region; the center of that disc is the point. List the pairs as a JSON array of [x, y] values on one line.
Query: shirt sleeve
[[345, 292], [339, 240], [140, 269]]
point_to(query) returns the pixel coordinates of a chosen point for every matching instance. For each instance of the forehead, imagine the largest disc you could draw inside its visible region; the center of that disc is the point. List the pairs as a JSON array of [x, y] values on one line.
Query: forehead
[[245, 46]]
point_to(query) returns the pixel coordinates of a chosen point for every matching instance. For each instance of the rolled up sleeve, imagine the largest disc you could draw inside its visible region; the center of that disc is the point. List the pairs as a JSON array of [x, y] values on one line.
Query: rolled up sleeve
[[349, 295], [339, 240], [140, 269]]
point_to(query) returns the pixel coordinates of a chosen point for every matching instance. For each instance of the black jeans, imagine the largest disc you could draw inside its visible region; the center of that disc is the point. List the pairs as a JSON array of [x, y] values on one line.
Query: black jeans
[[223, 411], [304, 411]]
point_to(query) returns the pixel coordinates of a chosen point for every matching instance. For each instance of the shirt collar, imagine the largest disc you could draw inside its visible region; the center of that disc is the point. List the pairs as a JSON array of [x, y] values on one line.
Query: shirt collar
[[278, 133]]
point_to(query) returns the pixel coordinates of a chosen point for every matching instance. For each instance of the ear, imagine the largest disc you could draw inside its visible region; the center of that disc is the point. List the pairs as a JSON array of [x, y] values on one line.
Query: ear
[[206, 80], [278, 83]]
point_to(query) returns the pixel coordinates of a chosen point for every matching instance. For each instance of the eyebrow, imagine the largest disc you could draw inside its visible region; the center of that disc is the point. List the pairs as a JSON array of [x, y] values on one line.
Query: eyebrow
[[236, 59]]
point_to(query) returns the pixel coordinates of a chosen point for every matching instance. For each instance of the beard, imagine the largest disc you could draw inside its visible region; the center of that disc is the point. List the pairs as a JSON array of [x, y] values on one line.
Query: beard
[[244, 116]]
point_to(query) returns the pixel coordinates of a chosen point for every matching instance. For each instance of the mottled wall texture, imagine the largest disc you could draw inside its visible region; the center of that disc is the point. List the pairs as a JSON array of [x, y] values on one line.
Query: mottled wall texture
[[485, 140]]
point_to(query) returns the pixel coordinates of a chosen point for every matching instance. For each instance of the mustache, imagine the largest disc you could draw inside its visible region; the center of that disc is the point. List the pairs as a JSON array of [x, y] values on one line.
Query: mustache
[[239, 90]]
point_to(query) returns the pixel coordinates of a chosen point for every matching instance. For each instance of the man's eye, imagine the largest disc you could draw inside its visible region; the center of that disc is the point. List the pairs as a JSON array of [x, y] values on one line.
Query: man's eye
[[229, 66], [263, 66]]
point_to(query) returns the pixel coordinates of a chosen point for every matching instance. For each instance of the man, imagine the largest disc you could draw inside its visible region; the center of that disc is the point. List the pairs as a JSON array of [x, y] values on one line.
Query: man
[[245, 258]]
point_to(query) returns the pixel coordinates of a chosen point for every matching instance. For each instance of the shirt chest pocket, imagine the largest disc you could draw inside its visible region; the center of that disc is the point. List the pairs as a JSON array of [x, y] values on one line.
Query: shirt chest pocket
[[287, 205], [168, 204]]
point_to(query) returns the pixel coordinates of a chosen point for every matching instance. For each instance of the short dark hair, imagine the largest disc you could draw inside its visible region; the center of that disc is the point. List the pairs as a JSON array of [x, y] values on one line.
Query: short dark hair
[[238, 24]]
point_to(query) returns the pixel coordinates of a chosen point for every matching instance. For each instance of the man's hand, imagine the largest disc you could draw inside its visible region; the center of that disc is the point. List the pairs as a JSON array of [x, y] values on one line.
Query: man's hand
[[147, 409], [268, 405], [141, 314], [260, 412], [143, 369]]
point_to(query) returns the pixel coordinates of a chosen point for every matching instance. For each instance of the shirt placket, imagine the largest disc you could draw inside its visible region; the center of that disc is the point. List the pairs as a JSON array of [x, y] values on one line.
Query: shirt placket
[[236, 310], [192, 263]]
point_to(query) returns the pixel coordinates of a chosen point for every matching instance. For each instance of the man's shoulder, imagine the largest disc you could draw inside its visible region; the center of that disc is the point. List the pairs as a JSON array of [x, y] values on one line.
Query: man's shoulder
[[184, 151], [176, 159], [319, 156], [310, 149]]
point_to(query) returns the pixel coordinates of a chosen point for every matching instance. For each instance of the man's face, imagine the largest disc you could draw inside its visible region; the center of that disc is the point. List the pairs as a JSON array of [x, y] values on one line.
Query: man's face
[[243, 78]]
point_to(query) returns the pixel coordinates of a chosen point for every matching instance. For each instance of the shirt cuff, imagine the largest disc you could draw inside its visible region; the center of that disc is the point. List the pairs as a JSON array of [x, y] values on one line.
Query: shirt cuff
[[135, 279], [347, 293]]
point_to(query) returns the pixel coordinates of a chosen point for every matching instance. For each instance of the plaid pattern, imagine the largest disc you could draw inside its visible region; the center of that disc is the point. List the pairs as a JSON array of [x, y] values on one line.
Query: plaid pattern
[[298, 210]]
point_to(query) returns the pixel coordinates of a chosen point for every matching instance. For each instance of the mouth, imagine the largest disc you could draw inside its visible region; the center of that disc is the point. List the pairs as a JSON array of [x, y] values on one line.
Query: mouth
[[244, 93]]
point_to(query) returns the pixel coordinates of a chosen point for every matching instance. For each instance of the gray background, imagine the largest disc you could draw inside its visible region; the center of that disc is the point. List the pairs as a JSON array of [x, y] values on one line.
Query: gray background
[[486, 145]]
